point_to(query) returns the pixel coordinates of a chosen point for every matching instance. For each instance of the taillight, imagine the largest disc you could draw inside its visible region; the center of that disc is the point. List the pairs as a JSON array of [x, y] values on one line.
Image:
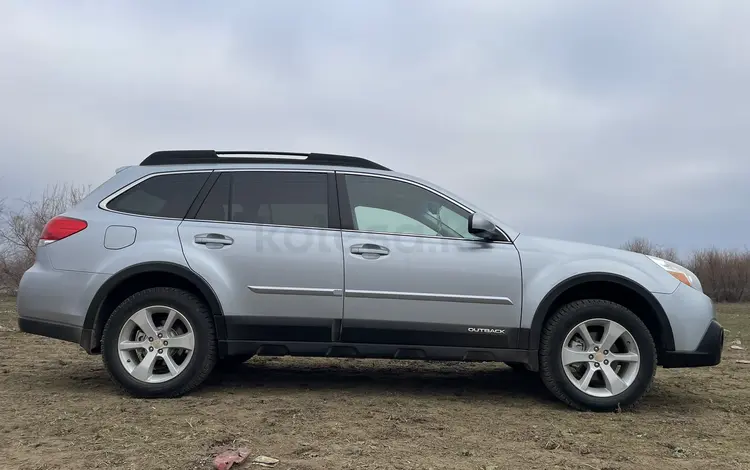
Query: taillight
[[61, 227]]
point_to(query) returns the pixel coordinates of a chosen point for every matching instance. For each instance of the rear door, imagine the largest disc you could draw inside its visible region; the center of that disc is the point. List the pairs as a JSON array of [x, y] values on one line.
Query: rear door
[[414, 275], [268, 243]]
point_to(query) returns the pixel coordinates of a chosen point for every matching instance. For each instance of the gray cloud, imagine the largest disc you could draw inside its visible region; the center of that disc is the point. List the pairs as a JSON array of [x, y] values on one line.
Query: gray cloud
[[585, 120]]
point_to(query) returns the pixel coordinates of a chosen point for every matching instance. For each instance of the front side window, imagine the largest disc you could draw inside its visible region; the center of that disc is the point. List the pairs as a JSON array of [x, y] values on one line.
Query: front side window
[[391, 206], [168, 195], [268, 197]]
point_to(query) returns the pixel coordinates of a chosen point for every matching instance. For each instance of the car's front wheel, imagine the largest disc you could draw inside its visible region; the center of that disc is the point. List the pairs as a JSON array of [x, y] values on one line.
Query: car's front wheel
[[159, 342], [597, 355]]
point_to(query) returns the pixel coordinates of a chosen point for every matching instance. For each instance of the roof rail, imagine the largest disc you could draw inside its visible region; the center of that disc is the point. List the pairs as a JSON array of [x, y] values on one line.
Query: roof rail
[[186, 157]]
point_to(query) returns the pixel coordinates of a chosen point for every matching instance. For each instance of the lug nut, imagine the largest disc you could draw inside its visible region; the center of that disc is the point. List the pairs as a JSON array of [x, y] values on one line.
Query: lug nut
[[606, 352], [596, 364], [161, 351], [596, 348], [150, 338], [150, 348], [591, 356], [160, 335], [606, 362], [165, 343]]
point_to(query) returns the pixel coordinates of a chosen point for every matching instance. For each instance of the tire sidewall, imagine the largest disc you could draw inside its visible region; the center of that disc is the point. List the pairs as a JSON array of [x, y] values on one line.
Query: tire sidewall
[[186, 304], [637, 329]]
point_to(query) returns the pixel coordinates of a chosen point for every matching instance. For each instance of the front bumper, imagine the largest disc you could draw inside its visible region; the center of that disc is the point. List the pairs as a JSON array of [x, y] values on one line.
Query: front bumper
[[708, 352]]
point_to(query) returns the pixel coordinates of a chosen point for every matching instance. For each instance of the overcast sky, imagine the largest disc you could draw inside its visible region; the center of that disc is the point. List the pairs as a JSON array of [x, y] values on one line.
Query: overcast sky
[[585, 120]]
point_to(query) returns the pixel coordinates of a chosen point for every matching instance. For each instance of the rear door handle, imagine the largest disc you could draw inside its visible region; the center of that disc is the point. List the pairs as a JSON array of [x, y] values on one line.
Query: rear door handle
[[369, 250], [213, 240]]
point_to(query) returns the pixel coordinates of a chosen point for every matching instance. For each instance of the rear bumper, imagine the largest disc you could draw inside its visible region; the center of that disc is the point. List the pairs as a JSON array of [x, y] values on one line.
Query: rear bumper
[[54, 303], [50, 329], [708, 352]]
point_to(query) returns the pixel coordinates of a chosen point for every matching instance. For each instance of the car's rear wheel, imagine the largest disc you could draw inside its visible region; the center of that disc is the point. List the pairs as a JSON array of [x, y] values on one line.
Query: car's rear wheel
[[159, 342], [597, 355]]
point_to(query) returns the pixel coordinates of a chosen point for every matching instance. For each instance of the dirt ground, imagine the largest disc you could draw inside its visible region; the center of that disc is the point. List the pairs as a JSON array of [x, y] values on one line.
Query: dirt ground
[[58, 409]]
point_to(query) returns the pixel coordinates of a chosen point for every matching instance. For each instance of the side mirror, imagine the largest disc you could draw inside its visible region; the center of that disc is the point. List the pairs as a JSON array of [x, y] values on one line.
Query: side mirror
[[483, 228]]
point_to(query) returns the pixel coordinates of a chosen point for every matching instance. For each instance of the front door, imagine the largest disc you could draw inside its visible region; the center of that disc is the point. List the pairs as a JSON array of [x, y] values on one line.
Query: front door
[[414, 275], [268, 243]]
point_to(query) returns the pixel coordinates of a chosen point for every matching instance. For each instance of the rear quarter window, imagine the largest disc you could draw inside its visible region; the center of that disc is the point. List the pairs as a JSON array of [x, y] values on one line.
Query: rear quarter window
[[161, 196]]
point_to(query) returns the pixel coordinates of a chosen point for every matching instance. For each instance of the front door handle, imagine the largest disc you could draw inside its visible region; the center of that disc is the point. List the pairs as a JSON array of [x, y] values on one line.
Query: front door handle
[[213, 240], [369, 250]]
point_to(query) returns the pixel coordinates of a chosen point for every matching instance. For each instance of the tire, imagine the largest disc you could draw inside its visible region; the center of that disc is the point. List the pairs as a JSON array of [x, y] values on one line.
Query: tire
[[192, 373], [636, 341]]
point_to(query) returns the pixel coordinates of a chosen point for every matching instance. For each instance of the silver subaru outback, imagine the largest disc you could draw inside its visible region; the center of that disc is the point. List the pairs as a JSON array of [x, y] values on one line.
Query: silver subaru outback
[[195, 258]]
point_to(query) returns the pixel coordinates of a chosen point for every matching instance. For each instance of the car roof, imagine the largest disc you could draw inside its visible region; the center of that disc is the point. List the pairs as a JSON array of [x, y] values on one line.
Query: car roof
[[166, 161]]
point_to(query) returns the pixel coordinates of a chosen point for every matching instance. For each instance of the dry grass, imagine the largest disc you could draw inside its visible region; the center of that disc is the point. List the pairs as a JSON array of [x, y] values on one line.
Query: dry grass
[[60, 411]]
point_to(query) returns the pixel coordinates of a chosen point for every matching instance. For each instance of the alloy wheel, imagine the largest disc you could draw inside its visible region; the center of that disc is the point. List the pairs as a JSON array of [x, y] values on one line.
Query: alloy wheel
[[156, 344], [600, 357]]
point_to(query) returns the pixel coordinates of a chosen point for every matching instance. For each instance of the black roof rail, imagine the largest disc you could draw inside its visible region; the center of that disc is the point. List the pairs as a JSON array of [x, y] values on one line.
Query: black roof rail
[[186, 157]]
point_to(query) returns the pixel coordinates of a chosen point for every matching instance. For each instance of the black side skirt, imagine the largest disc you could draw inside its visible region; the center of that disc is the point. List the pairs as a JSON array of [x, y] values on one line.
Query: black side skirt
[[305, 329], [429, 334], [319, 337], [378, 351]]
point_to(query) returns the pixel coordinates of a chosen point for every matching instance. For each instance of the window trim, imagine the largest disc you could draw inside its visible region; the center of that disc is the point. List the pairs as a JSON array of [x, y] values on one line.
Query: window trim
[[342, 199], [334, 221], [103, 204], [347, 222]]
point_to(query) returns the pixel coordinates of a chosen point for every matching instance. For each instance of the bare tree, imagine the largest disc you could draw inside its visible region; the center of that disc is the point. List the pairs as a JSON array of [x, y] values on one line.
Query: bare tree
[[638, 245], [21, 228], [724, 274], [643, 245]]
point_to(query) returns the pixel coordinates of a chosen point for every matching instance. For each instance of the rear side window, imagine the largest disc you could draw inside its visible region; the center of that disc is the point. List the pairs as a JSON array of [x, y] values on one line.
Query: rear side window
[[161, 196], [264, 197]]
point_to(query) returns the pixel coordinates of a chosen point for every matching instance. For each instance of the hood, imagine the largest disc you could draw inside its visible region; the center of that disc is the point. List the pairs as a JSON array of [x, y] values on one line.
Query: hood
[[547, 257], [530, 243]]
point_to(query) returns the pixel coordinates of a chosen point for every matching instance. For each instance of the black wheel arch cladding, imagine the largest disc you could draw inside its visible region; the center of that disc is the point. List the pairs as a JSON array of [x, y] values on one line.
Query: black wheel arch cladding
[[543, 312], [93, 324]]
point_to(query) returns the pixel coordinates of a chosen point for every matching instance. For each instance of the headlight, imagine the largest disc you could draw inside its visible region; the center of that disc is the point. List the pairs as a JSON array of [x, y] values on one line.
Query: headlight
[[681, 274]]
